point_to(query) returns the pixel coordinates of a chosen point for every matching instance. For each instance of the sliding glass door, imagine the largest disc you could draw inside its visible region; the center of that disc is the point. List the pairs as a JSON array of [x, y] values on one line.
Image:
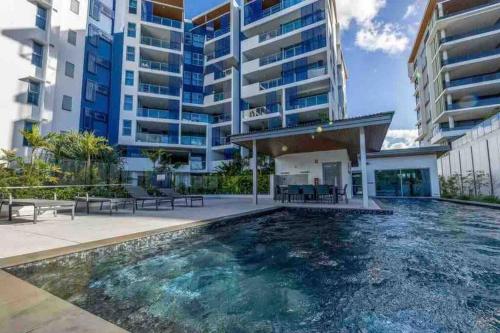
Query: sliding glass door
[[403, 183]]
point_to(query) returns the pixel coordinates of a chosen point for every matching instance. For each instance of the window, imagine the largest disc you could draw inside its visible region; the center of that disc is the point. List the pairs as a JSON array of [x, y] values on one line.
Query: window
[[90, 90], [37, 56], [33, 93], [131, 30], [127, 128], [197, 79], [72, 37], [91, 63], [188, 38], [67, 103], [187, 57], [28, 127], [128, 103], [95, 10], [132, 6], [197, 59], [198, 40], [187, 78], [130, 53], [69, 69], [75, 6], [41, 18], [129, 78]]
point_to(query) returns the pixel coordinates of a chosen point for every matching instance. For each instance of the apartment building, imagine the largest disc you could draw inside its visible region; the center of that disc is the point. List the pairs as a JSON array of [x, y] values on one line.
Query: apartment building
[[42, 66], [141, 74], [292, 70], [455, 67]]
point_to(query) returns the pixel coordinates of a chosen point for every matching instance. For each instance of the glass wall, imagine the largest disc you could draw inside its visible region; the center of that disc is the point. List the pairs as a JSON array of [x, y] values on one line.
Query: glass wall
[[403, 183]]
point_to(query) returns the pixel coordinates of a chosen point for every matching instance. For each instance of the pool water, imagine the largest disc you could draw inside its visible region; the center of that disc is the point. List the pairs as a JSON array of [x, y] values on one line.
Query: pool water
[[430, 267]]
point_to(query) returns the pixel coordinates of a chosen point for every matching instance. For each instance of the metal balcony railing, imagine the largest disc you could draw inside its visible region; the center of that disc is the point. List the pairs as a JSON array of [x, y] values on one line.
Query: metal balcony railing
[[261, 111], [159, 90], [157, 113], [162, 21], [270, 11], [292, 26], [473, 79], [304, 47], [160, 66], [311, 73], [467, 57], [306, 102], [471, 33], [161, 43], [481, 101]]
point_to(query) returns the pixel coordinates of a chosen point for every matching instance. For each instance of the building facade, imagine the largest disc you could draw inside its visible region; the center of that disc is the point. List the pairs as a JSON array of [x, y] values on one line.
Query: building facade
[[455, 67], [141, 74]]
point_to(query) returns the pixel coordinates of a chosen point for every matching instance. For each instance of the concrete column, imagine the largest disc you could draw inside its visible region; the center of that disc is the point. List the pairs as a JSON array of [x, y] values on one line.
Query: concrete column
[[451, 122], [254, 172], [445, 55], [447, 78], [440, 10], [449, 100], [364, 173]]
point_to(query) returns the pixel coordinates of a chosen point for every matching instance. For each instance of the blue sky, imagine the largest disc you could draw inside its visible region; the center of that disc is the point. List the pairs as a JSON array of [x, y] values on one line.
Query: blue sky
[[377, 38]]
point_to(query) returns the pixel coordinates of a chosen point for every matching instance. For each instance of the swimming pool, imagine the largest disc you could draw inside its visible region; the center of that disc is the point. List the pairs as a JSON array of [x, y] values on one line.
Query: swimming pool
[[432, 266]]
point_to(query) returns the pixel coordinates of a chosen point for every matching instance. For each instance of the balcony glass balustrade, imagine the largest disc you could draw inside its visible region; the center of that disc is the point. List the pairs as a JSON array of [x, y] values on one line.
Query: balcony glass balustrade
[[478, 102], [251, 16], [161, 43], [294, 77], [157, 113], [221, 118], [162, 21], [222, 74], [304, 47], [479, 55], [292, 26], [220, 96], [197, 117], [218, 33], [156, 138], [193, 140], [306, 102], [159, 90], [489, 3], [221, 141], [198, 165], [472, 80], [471, 33], [217, 54], [160, 66]]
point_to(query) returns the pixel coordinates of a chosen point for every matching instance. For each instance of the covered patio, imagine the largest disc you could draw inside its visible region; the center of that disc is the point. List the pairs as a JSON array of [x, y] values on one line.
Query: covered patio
[[307, 152]]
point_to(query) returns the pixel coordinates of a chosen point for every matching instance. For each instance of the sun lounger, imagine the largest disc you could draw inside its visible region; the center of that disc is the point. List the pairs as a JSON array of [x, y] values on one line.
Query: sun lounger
[[142, 196], [113, 203], [39, 205], [168, 192]]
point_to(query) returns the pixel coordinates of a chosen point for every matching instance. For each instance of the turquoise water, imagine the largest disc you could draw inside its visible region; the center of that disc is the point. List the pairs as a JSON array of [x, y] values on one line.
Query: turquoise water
[[430, 267]]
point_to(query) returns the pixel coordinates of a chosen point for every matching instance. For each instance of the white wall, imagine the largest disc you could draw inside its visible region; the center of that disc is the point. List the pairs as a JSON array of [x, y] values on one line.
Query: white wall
[[404, 162], [312, 165]]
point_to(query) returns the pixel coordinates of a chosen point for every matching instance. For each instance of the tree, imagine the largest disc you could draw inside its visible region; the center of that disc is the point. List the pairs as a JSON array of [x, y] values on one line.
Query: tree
[[36, 141], [154, 155], [87, 146]]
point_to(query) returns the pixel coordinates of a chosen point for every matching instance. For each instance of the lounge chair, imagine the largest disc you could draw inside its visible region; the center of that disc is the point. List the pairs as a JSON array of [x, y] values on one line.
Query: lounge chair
[[142, 196], [113, 203], [342, 193], [171, 193], [39, 205], [325, 191]]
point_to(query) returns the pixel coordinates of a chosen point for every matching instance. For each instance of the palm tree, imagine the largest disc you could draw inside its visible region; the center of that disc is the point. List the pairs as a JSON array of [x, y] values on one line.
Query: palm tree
[[35, 140], [154, 155], [90, 146]]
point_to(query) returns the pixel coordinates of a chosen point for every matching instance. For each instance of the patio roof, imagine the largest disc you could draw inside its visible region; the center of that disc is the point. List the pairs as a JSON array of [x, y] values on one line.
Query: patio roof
[[340, 134]]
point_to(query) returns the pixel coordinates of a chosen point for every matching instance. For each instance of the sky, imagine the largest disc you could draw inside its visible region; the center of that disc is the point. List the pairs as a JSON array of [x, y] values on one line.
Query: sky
[[377, 36]]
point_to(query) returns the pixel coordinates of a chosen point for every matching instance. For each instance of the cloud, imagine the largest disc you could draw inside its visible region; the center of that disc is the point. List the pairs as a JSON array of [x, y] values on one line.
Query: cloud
[[386, 37], [361, 11], [399, 139], [411, 10], [372, 35]]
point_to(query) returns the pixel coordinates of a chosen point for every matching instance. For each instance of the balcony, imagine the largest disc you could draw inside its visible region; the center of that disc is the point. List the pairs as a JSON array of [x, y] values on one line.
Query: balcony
[[193, 140], [483, 5], [261, 111], [159, 90], [310, 101], [292, 26], [221, 118], [160, 66], [473, 80], [311, 73], [197, 117], [157, 114], [471, 33], [269, 11], [222, 74], [301, 48], [218, 33], [161, 43], [468, 57], [217, 54], [198, 165], [167, 22], [156, 138], [474, 103], [221, 141]]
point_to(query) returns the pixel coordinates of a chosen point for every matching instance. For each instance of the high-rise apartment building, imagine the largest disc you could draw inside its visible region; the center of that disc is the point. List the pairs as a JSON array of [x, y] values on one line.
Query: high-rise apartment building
[[455, 67], [141, 74]]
